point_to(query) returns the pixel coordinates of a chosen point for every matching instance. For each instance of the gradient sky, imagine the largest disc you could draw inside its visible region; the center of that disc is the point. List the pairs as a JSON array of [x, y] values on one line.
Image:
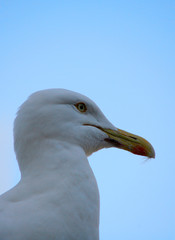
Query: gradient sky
[[121, 54]]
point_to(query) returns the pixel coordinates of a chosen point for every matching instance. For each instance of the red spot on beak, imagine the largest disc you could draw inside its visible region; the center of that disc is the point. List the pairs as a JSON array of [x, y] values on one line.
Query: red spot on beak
[[139, 150]]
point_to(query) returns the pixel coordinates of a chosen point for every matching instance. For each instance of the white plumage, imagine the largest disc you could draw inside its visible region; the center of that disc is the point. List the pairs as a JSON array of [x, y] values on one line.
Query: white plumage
[[57, 198]]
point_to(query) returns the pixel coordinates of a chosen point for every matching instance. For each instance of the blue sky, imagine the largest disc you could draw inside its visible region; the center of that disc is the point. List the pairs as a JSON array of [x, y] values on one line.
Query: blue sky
[[121, 55]]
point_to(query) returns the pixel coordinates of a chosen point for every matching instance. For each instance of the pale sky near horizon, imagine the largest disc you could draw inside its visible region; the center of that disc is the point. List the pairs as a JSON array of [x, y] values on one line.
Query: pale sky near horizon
[[121, 54]]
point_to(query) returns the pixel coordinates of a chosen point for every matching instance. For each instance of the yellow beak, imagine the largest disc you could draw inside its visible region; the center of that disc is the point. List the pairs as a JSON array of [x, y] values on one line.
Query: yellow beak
[[130, 142]]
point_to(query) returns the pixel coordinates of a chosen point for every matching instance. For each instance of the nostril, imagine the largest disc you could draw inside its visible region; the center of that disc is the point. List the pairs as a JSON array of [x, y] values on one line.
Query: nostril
[[133, 137]]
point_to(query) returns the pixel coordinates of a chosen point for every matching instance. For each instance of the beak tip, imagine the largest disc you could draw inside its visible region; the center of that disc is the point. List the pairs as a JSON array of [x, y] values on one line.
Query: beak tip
[[149, 150], [144, 149], [152, 153]]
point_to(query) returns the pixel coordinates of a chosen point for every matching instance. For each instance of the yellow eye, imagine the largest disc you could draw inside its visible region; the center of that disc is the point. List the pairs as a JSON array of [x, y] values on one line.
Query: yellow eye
[[81, 107]]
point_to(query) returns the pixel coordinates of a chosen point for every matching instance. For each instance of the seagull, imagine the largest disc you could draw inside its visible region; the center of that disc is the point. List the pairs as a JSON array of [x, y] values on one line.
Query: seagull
[[57, 197]]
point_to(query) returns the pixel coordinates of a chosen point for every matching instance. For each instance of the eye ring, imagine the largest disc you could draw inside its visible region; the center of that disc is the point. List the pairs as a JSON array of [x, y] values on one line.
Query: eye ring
[[81, 107]]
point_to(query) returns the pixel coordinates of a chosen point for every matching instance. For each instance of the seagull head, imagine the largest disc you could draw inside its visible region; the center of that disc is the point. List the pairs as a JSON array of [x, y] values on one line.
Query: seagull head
[[69, 117]]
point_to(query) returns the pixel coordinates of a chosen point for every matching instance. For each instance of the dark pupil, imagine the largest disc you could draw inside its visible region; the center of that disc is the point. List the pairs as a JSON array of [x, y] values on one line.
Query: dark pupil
[[81, 106]]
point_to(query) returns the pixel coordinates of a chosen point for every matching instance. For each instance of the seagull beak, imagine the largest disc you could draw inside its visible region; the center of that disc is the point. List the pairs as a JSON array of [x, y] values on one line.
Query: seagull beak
[[130, 142]]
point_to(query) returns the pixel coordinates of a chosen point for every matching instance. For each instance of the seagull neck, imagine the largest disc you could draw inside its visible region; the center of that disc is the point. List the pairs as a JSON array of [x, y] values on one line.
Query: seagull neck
[[51, 156]]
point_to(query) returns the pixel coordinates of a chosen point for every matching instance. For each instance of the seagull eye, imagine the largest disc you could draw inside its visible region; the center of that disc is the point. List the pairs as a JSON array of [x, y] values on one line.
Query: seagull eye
[[81, 107]]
